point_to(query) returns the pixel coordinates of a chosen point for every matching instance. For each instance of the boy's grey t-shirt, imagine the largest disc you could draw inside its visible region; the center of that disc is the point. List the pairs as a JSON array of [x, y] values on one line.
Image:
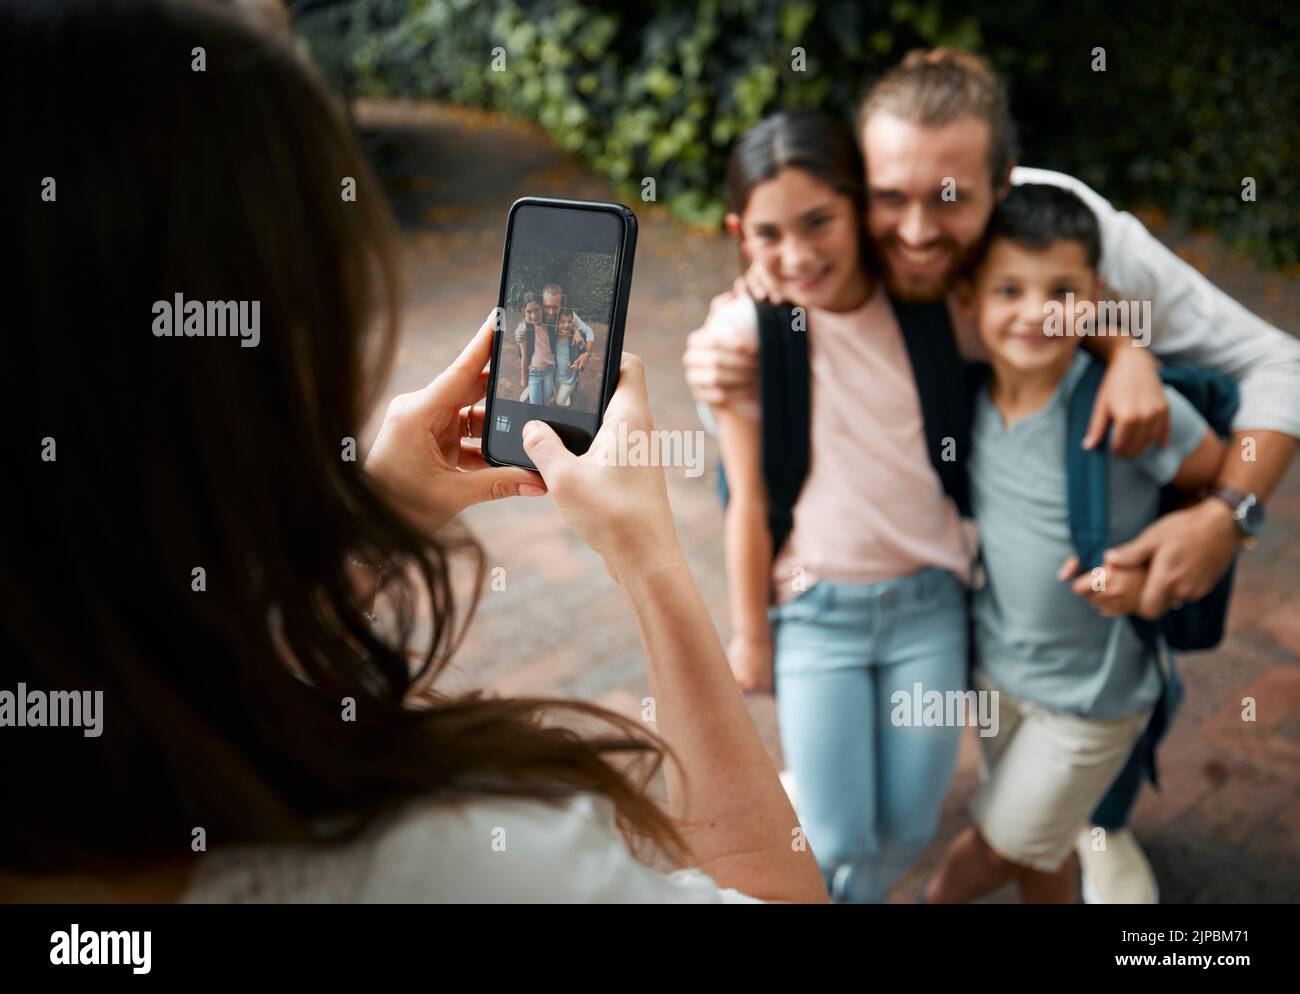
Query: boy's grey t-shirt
[[1037, 639]]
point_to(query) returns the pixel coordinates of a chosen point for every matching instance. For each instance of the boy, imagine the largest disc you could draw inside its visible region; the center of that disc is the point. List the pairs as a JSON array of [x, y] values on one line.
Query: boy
[[569, 345], [1075, 683]]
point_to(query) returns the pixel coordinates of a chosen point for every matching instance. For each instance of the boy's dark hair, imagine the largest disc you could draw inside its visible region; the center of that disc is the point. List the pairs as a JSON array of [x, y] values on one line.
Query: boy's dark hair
[[1038, 214]]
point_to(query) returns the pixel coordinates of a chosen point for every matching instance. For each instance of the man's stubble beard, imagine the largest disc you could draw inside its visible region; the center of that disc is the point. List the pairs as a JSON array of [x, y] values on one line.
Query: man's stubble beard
[[909, 288]]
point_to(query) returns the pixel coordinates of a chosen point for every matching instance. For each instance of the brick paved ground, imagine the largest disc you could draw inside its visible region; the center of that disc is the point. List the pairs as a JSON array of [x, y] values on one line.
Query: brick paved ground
[[1226, 826]]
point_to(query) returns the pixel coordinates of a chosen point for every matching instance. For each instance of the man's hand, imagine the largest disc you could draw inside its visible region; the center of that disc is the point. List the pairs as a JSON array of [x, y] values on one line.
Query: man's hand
[[1132, 401], [1121, 588], [758, 284], [581, 361], [719, 364], [1185, 552]]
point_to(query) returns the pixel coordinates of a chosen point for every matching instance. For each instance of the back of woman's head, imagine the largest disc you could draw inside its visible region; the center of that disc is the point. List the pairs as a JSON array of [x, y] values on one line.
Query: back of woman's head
[[187, 503]]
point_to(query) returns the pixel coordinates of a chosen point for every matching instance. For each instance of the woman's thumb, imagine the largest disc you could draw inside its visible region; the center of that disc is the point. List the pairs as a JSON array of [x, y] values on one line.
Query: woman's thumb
[[544, 447]]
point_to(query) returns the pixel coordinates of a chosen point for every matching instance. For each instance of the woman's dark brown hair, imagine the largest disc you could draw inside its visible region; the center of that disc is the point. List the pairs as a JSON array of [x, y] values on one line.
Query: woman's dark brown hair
[[135, 460]]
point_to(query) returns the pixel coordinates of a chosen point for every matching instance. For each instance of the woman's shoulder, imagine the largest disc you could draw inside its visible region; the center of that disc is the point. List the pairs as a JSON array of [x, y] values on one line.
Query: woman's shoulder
[[487, 850]]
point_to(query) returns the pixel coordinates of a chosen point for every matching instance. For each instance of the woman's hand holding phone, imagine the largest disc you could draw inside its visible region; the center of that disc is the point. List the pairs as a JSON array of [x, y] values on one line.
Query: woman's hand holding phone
[[423, 458], [621, 511], [424, 461]]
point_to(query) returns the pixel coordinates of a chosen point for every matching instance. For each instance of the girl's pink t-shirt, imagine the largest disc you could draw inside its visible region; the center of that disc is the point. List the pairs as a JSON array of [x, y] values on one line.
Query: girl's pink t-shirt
[[872, 507]]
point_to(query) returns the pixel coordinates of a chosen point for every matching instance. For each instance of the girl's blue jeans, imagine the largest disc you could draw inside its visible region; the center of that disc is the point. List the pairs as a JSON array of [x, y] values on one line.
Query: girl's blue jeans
[[869, 791], [541, 385]]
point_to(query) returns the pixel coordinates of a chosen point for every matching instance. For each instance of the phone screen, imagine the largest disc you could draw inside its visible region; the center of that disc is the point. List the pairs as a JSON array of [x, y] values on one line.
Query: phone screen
[[562, 302]]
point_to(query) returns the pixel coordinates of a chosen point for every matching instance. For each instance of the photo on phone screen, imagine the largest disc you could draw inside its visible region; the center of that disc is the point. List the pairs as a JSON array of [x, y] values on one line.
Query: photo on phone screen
[[565, 279]]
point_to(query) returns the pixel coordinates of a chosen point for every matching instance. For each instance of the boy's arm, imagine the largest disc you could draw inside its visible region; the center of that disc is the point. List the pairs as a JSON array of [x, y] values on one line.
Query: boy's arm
[[748, 545]]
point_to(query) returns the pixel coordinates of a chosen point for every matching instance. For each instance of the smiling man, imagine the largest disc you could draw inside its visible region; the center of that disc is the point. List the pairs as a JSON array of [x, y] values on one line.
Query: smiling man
[[939, 146]]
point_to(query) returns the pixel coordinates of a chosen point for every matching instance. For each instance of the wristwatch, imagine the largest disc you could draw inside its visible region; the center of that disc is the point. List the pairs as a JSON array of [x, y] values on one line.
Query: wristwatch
[[1247, 512]]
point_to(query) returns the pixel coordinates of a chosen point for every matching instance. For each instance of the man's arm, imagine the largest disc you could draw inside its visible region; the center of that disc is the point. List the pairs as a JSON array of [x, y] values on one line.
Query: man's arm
[[1131, 398], [588, 342], [1256, 461], [1189, 550], [1192, 320], [1122, 591], [585, 328]]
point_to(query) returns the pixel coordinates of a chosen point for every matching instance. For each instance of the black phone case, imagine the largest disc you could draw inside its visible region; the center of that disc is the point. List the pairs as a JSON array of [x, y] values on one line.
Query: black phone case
[[623, 289]]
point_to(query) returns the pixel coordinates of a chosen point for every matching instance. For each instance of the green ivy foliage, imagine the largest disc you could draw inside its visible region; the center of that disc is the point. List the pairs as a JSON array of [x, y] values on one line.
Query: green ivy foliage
[[587, 279], [1195, 98]]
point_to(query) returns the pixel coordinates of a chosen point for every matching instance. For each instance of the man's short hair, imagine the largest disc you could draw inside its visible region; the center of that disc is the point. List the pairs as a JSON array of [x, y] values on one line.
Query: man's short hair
[[934, 87], [554, 288], [1040, 214]]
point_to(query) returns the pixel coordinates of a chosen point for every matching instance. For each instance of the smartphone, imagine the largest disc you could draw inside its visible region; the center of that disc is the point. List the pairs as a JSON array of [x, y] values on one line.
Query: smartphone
[[566, 273]]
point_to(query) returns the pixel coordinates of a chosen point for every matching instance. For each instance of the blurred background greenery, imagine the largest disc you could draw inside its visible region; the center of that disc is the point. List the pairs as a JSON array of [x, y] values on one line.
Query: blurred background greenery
[[1196, 96], [586, 278]]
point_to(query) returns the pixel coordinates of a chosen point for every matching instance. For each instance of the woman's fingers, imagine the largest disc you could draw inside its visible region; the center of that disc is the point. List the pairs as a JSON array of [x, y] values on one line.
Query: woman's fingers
[[464, 381], [472, 461], [545, 449], [471, 456], [630, 402], [471, 421]]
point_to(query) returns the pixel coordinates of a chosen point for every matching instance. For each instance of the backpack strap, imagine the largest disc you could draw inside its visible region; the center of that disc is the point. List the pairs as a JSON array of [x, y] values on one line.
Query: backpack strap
[[785, 396], [1087, 486], [945, 386], [1087, 473], [1087, 476]]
